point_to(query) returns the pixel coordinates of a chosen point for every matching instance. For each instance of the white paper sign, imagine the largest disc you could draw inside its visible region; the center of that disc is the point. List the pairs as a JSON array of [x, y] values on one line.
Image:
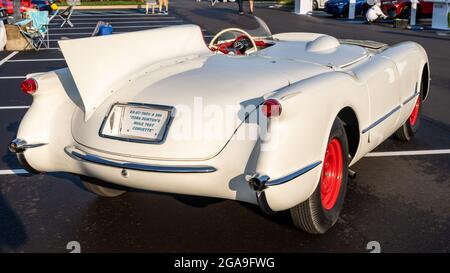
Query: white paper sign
[[142, 122]]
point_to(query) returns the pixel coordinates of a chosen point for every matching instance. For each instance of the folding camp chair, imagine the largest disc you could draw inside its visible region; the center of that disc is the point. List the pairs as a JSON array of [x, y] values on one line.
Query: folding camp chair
[[36, 34], [65, 15]]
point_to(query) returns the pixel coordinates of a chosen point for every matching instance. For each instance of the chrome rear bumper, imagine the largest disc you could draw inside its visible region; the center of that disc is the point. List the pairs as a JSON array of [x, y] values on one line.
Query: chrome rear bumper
[[78, 154]]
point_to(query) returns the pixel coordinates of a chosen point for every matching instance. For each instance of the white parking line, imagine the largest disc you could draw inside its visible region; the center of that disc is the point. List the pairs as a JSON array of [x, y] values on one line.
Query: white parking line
[[88, 33], [115, 27], [14, 107], [114, 19], [70, 33], [131, 22], [115, 14], [36, 60], [403, 153], [8, 57], [12, 77], [57, 40], [13, 171]]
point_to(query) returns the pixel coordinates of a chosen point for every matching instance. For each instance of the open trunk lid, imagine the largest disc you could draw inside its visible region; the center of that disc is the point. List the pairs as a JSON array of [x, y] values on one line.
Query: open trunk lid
[[209, 95]]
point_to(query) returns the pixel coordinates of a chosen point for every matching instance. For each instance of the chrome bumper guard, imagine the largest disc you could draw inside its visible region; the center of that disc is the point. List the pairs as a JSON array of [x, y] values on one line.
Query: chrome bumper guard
[[19, 146], [78, 154], [259, 182]]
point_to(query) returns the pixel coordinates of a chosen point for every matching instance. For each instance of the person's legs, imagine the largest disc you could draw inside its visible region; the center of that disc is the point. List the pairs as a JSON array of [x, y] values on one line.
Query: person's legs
[[166, 4], [251, 6], [240, 6]]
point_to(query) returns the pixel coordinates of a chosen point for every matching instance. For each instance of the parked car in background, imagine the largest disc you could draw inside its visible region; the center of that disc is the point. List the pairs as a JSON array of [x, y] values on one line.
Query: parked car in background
[[339, 8], [43, 5], [26, 4], [3, 15], [318, 4], [402, 8], [8, 5]]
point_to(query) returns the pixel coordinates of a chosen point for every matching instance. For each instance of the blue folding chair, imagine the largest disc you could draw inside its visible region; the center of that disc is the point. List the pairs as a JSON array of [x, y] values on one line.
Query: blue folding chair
[[37, 33]]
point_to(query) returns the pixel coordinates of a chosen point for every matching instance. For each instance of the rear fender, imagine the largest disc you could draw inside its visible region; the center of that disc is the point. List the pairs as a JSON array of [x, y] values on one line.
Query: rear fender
[[48, 120], [298, 137]]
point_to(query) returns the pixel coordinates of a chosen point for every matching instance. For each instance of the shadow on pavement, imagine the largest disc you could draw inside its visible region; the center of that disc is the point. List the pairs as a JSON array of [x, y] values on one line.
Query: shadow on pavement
[[12, 230]]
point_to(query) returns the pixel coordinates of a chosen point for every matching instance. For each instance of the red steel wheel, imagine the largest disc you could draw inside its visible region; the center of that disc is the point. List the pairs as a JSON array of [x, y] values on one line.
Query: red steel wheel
[[415, 113], [330, 183], [321, 210]]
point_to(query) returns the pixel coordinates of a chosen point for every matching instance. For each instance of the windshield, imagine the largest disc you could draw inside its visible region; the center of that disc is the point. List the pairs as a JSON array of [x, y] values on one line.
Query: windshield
[[255, 26]]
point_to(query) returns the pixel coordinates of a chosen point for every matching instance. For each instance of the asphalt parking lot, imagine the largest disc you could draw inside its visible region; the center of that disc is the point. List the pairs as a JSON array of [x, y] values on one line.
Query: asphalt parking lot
[[399, 198]]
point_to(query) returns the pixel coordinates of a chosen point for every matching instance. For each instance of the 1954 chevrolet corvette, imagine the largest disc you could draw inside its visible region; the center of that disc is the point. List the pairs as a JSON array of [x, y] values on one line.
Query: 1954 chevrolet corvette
[[273, 120]]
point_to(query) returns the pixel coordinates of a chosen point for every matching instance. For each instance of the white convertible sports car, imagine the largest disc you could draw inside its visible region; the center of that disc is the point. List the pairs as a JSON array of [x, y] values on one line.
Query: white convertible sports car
[[273, 120]]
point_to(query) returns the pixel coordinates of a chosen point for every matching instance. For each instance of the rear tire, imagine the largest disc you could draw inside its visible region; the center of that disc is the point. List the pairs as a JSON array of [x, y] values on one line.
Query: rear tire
[[411, 125], [102, 188], [344, 13], [322, 209]]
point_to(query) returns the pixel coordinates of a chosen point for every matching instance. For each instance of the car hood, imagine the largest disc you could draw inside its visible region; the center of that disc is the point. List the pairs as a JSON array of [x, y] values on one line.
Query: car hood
[[210, 94]]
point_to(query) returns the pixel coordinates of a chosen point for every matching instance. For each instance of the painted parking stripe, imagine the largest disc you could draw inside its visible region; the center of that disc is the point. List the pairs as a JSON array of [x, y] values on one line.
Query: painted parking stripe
[[114, 14], [115, 27], [115, 19], [36, 60], [13, 171], [405, 153], [57, 40], [70, 33], [129, 22], [12, 77], [88, 33], [8, 57], [14, 107]]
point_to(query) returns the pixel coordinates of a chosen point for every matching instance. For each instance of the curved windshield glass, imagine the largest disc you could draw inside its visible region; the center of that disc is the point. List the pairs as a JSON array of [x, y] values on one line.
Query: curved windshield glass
[[253, 25]]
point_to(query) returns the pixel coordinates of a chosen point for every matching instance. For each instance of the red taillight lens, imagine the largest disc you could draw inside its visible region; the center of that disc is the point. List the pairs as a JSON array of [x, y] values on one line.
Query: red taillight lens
[[271, 108], [29, 86]]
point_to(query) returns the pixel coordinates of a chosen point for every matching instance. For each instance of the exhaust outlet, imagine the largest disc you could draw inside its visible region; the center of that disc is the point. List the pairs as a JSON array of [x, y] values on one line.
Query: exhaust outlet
[[257, 182]]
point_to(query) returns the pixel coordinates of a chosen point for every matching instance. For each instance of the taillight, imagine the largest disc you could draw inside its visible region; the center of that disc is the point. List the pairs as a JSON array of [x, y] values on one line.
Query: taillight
[[271, 108], [29, 86]]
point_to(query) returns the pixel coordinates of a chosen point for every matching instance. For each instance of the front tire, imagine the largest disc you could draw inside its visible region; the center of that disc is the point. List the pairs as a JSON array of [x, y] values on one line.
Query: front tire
[[315, 5], [322, 209], [101, 188], [411, 125]]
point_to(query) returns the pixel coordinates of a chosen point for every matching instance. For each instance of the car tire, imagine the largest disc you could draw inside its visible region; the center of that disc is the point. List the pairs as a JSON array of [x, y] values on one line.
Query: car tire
[[102, 188], [405, 13], [411, 125], [315, 5], [364, 9], [322, 209], [344, 13]]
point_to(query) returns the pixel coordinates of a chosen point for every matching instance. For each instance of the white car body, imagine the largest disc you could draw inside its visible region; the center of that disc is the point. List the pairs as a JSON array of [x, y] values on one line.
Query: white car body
[[321, 3], [315, 77]]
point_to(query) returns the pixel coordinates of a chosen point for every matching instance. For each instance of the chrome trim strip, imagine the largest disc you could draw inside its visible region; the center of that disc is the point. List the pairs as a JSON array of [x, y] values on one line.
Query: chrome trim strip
[[293, 175], [378, 121], [83, 156], [392, 111], [259, 182], [410, 98]]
